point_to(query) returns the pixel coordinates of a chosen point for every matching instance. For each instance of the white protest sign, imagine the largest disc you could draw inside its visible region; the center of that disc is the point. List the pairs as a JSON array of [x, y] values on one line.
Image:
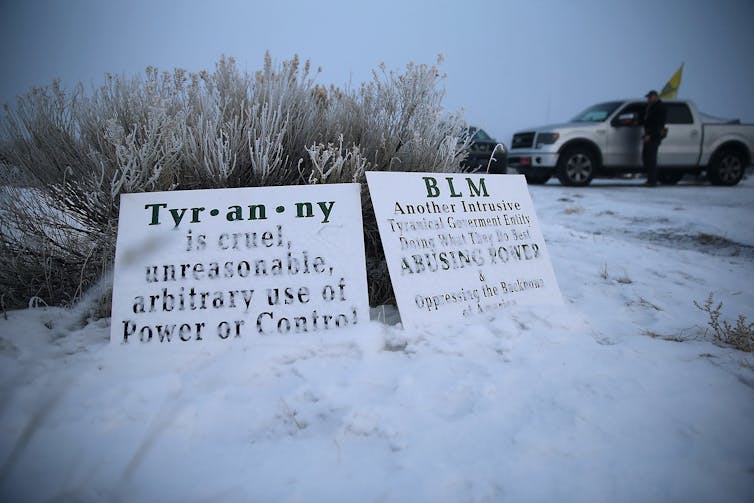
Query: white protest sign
[[208, 265], [460, 244]]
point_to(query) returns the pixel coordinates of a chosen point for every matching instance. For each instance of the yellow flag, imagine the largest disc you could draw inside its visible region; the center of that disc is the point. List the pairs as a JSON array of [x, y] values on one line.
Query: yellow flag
[[671, 88]]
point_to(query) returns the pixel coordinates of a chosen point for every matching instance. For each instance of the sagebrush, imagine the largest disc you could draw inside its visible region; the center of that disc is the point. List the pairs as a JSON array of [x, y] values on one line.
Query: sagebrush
[[739, 335], [66, 156]]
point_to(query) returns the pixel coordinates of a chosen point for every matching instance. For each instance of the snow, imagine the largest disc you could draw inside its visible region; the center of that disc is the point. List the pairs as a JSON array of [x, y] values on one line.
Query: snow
[[619, 395]]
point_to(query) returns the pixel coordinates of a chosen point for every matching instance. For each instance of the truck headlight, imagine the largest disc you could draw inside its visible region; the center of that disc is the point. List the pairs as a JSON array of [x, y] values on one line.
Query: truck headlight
[[547, 139]]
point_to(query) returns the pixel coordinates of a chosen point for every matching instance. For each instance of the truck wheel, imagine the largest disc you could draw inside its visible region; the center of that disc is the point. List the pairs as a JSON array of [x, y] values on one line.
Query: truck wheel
[[576, 167], [537, 179], [727, 168], [670, 177]]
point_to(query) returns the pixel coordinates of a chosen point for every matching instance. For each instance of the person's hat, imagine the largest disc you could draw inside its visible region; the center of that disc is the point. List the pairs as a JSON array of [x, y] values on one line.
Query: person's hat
[[651, 93]]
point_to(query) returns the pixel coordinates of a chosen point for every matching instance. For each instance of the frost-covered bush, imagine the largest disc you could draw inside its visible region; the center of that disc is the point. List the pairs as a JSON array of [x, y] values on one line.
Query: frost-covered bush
[[67, 156]]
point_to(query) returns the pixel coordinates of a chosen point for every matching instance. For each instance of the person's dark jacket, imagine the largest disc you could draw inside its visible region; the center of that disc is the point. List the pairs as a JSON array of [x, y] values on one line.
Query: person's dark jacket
[[654, 120]]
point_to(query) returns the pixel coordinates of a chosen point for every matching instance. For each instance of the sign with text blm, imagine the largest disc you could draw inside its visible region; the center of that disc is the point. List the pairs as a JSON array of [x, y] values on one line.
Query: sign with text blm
[[202, 265], [457, 245]]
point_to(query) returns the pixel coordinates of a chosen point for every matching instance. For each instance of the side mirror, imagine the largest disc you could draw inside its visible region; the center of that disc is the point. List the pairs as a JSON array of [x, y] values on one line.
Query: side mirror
[[626, 120]]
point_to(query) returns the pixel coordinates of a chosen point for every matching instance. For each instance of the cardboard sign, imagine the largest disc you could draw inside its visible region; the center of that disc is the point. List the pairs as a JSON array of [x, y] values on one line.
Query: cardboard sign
[[460, 244], [203, 265]]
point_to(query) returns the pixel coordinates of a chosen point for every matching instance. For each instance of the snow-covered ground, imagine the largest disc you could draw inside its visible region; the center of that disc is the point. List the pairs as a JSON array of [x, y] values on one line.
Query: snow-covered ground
[[620, 395]]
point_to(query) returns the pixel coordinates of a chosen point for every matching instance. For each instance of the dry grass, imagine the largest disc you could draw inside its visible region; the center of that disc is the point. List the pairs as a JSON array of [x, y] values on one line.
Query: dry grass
[[739, 335], [667, 337], [573, 210]]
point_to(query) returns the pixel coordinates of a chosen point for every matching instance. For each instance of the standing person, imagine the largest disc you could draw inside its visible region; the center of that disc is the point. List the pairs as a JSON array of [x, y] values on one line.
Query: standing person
[[654, 132]]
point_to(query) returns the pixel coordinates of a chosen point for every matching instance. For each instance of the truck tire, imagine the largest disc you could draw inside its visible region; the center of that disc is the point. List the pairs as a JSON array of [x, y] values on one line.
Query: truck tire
[[539, 179], [576, 166], [726, 168]]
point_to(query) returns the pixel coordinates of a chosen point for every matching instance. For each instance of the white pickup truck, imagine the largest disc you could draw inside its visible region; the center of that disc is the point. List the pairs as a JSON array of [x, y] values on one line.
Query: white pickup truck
[[605, 140]]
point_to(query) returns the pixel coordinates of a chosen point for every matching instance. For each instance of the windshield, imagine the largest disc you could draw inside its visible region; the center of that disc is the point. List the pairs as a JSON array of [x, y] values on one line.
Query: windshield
[[597, 113], [476, 134], [479, 135]]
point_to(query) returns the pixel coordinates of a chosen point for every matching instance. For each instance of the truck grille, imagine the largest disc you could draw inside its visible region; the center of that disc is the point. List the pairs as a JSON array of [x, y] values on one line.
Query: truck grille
[[522, 140]]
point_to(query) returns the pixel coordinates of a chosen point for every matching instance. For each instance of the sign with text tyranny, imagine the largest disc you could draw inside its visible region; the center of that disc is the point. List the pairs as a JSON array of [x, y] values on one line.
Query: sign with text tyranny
[[457, 245], [206, 265]]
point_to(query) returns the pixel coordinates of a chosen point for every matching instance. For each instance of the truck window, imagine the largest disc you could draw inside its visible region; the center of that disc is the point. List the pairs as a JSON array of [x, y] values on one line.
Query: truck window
[[480, 135], [678, 113], [597, 113], [634, 108], [629, 115]]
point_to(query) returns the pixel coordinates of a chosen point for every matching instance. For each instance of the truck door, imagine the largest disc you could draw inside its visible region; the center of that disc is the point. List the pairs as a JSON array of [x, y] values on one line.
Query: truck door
[[682, 145], [623, 147]]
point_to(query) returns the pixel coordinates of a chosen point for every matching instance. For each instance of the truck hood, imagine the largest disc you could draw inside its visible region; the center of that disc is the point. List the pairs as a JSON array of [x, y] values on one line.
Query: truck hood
[[558, 127]]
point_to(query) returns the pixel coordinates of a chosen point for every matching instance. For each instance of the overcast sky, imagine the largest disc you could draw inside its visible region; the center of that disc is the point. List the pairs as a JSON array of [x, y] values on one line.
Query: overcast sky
[[509, 64]]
